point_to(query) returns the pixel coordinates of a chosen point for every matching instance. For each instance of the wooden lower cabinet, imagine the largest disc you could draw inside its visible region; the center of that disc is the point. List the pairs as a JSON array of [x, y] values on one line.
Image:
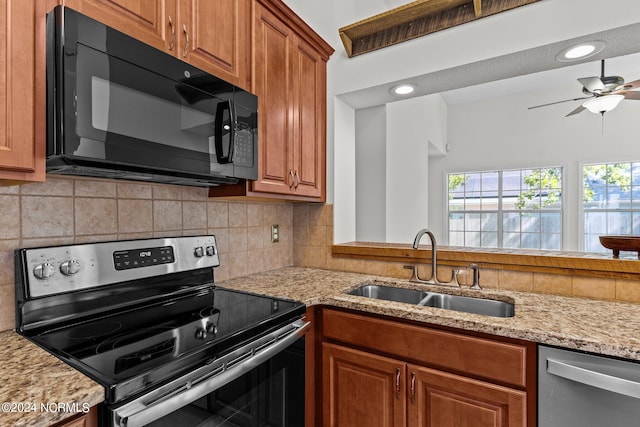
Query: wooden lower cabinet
[[383, 373], [440, 399], [90, 419], [362, 389]]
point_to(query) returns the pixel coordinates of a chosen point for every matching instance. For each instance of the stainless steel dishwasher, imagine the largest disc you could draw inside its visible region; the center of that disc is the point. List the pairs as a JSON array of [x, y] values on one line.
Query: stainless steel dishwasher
[[579, 389]]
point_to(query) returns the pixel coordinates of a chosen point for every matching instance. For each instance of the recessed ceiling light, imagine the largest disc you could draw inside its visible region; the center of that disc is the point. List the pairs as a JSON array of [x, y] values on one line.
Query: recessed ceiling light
[[580, 51], [403, 89]]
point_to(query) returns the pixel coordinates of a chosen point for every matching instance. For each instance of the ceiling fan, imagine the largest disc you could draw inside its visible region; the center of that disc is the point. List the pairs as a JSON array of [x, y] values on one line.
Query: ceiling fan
[[604, 93]]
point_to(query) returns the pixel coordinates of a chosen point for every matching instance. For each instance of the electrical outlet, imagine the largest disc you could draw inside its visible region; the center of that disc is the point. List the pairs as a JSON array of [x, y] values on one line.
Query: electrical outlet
[[275, 233]]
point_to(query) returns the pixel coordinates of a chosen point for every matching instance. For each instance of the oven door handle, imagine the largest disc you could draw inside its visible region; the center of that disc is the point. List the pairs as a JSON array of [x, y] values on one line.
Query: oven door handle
[[147, 409]]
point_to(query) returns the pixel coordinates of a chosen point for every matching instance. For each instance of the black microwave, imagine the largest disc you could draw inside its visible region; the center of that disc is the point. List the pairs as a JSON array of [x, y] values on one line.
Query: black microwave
[[118, 108]]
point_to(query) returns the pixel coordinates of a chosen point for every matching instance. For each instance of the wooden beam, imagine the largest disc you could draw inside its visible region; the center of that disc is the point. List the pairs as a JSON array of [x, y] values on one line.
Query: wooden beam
[[417, 19], [477, 7]]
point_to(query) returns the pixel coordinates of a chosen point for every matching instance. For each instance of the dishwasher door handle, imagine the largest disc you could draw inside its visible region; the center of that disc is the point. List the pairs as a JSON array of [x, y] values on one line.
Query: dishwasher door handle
[[593, 378]]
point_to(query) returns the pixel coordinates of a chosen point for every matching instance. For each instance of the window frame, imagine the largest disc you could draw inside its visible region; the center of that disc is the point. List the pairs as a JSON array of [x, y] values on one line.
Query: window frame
[[581, 208], [500, 211]]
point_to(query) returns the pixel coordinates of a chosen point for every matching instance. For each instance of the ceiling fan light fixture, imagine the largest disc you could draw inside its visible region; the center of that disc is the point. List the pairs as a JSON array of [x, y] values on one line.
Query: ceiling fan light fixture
[[403, 89], [580, 51], [602, 104]]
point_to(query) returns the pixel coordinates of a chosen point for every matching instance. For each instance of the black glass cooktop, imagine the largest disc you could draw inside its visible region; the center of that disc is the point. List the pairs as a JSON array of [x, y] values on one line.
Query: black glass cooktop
[[130, 350]]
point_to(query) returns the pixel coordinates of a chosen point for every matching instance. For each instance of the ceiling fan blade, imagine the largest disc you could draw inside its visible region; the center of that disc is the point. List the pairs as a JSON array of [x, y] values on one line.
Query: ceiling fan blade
[[631, 95], [592, 84], [580, 109], [560, 102], [629, 86]]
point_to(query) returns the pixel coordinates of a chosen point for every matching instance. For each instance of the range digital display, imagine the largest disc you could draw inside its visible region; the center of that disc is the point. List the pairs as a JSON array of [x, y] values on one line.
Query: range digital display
[[135, 258]]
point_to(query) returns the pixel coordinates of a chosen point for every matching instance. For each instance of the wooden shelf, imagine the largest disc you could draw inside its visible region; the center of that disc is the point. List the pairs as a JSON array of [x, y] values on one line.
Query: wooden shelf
[[566, 263], [417, 19]]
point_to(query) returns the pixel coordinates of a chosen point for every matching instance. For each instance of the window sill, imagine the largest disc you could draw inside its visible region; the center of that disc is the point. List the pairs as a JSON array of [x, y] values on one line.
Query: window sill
[[551, 262]]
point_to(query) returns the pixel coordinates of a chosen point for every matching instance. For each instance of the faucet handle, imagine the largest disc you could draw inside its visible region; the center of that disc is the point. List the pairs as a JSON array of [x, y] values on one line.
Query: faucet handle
[[475, 281], [414, 272]]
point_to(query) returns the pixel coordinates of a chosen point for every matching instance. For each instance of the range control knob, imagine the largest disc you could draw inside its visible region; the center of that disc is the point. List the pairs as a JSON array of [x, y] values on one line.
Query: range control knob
[[211, 251], [198, 252], [70, 267], [212, 329], [44, 271], [201, 334]]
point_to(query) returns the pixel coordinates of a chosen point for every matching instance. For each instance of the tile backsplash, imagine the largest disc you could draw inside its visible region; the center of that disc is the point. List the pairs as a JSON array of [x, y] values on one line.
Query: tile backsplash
[[76, 210]]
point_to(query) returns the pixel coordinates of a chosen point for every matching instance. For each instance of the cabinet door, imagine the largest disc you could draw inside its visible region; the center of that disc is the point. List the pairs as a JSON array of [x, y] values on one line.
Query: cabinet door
[[309, 82], [215, 36], [153, 22], [272, 69], [22, 90], [361, 389], [440, 399]]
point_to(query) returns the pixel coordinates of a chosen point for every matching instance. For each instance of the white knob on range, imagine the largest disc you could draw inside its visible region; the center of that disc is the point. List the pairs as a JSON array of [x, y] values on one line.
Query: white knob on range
[[70, 267], [44, 271]]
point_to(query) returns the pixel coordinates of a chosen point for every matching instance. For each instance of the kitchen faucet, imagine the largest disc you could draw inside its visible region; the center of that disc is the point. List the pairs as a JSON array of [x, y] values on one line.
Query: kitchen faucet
[[433, 280]]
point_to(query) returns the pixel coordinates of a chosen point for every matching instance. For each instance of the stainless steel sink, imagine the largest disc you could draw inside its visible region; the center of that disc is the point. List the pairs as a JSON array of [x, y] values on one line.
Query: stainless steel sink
[[389, 293], [487, 307]]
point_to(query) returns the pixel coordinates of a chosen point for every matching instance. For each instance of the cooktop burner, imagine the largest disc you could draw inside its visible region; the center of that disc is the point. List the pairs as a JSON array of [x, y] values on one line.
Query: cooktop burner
[[94, 330]]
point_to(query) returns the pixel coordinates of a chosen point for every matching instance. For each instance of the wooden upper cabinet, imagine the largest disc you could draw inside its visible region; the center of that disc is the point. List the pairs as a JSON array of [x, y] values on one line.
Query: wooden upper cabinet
[[272, 83], [211, 35], [149, 21], [22, 91], [216, 35], [289, 78], [309, 83]]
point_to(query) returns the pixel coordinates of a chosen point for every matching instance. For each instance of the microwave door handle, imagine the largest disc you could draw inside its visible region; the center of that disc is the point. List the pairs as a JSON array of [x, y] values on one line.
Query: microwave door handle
[[219, 131]]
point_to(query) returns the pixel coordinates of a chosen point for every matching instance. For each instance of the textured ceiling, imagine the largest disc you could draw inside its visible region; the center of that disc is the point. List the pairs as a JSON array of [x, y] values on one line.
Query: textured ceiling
[[504, 73]]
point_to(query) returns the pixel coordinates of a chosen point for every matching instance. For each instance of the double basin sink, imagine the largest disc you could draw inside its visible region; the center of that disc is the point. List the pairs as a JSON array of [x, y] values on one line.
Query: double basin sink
[[474, 305]]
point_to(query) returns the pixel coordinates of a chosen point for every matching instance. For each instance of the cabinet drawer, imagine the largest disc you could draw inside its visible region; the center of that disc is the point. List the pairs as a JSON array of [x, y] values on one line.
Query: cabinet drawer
[[479, 357]]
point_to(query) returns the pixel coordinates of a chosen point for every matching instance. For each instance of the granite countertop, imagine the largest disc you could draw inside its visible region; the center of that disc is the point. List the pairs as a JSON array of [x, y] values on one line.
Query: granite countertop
[[37, 388], [35, 382], [609, 328]]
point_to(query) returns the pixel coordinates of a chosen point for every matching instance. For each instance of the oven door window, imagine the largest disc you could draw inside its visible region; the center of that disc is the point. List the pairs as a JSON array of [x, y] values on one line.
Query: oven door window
[[270, 395], [128, 114]]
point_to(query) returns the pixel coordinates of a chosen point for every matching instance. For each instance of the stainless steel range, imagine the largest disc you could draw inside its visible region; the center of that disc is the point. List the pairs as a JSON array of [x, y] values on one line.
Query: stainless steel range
[[145, 319]]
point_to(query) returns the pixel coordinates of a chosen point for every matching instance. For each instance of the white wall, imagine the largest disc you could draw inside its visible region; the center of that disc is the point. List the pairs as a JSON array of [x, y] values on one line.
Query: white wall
[[371, 174], [534, 25], [502, 133]]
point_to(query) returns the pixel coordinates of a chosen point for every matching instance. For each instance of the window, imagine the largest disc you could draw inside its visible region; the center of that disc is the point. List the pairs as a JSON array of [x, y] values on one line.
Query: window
[[611, 201], [516, 208]]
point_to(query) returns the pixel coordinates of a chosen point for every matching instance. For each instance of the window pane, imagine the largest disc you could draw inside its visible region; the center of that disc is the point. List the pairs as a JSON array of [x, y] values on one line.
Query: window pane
[[456, 238], [551, 242], [511, 240], [619, 223], [530, 222], [531, 240], [489, 240], [472, 238], [456, 221], [472, 222], [595, 222], [511, 221], [490, 221], [551, 222]]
